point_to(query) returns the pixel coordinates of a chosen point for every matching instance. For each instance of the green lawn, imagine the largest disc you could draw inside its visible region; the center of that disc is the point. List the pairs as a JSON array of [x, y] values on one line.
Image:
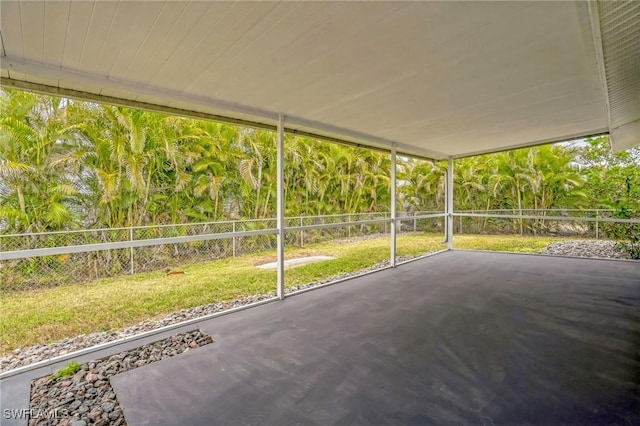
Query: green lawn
[[48, 315]]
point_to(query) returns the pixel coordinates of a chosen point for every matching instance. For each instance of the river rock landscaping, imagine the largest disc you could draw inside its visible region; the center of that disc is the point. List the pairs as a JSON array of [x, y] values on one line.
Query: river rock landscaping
[[585, 248], [87, 398]]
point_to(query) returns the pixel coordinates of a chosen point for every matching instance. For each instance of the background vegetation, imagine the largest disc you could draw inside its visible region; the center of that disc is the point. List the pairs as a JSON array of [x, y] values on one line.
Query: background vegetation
[[67, 165]]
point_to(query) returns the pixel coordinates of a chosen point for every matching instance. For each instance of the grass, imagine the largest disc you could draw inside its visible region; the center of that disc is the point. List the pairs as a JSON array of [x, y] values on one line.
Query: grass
[[48, 315], [506, 243], [68, 370]]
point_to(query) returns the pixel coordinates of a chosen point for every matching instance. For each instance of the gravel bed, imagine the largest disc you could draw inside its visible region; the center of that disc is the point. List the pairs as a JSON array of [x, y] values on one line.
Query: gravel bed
[[87, 398], [31, 354], [581, 248]]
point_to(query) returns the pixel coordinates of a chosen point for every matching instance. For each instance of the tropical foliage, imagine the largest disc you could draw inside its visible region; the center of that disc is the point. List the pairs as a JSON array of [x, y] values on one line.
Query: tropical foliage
[[68, 164], [616, 177]]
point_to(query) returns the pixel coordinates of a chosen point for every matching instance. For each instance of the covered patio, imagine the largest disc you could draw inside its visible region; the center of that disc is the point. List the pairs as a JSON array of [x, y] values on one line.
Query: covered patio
[[460, 337], [457, 337]]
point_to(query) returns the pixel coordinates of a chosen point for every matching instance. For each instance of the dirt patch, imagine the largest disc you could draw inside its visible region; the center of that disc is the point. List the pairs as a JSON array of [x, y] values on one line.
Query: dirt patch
[[298, 261]]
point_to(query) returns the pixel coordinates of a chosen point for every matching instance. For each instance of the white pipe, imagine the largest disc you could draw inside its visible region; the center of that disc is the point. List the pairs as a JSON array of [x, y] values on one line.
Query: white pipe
[[565, 218], [83, 248], [394, 223], [280, 206], [450, 204]]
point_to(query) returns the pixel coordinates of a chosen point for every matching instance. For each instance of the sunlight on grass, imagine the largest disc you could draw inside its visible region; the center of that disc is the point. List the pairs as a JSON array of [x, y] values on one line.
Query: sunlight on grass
[[506, 243], [44, 316]]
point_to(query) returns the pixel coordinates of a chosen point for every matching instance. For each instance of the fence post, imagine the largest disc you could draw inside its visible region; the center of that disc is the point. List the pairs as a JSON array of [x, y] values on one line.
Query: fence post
[[349, 227], [233, 242], [597, 226], [460, 225], [301, 233], [131, 268], [414, 222]]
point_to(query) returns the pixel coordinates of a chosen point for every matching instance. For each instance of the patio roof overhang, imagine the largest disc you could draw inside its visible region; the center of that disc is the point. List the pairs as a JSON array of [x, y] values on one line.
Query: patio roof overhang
[[438, 79]]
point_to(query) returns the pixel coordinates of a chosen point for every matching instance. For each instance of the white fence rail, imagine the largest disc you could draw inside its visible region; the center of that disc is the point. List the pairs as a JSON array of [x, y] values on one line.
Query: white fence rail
[[22, 246], [35, 260], [586, 222]]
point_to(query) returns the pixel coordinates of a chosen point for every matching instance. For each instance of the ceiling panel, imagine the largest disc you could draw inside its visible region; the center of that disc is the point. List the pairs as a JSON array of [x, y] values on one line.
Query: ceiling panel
[[81, 15], [121, 17], [55, 35], [438, 78], [195, 40], [11, 27], [167, 49], [33, 26], [158, 34], [93, 47], [145, 17]]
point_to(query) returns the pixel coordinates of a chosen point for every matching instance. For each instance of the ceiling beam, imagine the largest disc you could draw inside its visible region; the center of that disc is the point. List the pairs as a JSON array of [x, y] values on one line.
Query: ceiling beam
[[110, 100], [566, 138], [99, 83]]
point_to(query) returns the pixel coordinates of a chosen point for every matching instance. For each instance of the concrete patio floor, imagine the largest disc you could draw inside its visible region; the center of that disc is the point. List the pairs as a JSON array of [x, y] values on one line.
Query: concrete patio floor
[[459, 337]]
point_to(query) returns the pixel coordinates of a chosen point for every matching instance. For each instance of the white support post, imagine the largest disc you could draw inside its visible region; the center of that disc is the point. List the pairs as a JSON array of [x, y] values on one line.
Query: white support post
[[446, 208], [393, 205], [449, 203], [280, 206]]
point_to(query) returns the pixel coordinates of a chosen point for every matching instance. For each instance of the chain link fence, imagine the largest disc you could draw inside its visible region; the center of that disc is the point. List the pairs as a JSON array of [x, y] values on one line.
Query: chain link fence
[[331, 231], [67, 268], [542, 225], [412, 223], [217, 240], [214, 240]]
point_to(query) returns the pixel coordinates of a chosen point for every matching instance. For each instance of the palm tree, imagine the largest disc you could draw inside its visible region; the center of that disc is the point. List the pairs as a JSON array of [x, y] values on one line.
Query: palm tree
[[34, 195], [422, 184]]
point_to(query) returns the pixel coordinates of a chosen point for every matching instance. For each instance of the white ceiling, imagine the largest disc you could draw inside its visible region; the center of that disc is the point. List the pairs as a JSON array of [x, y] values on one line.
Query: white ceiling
[[438, 78]]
